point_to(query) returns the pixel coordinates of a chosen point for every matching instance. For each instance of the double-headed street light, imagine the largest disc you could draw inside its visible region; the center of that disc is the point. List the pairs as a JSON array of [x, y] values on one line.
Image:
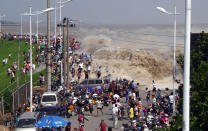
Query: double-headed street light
[[31, 65], [55, 25], [174, 48], [38, 13], [60, 6]]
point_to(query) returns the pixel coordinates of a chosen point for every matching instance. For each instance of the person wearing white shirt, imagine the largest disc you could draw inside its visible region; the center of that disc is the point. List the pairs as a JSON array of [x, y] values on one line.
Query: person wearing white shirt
[[89, 69], [115, 116], [99, 106], [171, 100], [154, 84], [134, 96], [81, 65], [33, 66], [118, 104]]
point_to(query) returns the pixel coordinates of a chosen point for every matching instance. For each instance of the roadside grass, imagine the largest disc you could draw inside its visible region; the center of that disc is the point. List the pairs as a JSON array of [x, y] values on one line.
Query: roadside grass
[[6, 87], [11, 47]]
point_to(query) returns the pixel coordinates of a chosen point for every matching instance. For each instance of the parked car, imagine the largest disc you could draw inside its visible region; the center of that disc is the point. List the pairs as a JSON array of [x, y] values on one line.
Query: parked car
[[91, 83], [49, 99], [26, 121], [48, 111]]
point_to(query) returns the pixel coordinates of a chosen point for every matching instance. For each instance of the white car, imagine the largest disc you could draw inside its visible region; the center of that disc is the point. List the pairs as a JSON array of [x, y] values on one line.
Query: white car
[[26, 121], [49, 99]]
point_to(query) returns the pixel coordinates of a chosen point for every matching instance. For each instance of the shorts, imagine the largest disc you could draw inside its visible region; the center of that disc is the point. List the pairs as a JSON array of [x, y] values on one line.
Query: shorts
[[99, 108], [91, 109]]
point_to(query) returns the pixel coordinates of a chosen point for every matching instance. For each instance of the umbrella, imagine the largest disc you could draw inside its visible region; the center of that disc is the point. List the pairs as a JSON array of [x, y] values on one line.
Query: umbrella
[[52, 121]]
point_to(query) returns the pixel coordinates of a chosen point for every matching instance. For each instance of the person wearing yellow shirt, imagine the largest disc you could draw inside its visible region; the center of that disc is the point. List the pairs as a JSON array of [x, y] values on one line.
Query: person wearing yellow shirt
[[28, 109], [131, 113], [70, 60]]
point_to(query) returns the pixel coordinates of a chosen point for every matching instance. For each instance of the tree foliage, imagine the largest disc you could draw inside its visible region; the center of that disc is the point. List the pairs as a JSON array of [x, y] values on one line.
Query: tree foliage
[[199, 87]]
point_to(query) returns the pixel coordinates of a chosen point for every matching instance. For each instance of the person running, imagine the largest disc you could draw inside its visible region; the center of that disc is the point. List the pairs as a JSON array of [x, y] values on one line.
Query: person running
[[86, 74], [99, 106], [68, 127], [136, 89], [107, 70], [89, 69], [91, 107], [99, 72], [139, 104], [102, 126], [158, 94], [12, 75], [42, 79], [115, 115], [148, 97], [131, 113], [136, 112], [80, 118], [154, 87], [171, 101], [81, 128]]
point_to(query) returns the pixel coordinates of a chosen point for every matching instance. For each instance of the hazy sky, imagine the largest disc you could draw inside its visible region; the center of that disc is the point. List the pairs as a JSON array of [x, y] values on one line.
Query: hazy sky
[[110, 11]]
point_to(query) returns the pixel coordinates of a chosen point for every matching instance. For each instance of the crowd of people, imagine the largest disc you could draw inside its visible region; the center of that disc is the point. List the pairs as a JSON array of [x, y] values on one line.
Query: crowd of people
[[122, 96], [126, 102]]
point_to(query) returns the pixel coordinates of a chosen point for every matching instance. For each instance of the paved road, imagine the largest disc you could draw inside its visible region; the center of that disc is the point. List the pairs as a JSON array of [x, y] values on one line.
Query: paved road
[[93, 122]]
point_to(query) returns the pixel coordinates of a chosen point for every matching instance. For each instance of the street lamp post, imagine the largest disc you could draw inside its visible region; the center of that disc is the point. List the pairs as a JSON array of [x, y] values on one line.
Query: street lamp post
[[21, 26], [55, 23], [1, 16], [37, 29], [31, 88], [174, 49]]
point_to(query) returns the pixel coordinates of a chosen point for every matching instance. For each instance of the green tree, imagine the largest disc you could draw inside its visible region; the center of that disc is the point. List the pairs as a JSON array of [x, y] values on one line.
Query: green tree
[[199, 87]]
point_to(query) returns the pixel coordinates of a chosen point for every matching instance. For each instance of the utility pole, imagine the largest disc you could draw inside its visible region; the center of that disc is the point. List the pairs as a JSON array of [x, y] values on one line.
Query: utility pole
[[67, 82], [65, 49], [48, 59], [65, 25], [60, 16]]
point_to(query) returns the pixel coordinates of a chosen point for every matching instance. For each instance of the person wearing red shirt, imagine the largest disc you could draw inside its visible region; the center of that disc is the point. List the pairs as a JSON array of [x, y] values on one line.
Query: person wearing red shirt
[[81, 128], [102, 126]]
